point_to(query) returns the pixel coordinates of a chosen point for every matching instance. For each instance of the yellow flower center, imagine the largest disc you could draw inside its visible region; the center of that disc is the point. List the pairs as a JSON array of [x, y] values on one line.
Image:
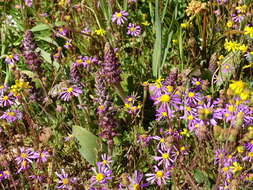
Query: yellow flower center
[[191, 94], [6, 98], [61, 29], [159, 174], [119, 15], [88, 61], [250, 154], [164, 114], [225, 169], [2, 87], [182, 148], [226, 114], [70, 90], [11, 56], [165, 156], [65, 181], [162, 140], [169, 88], [231, 108], [130, 99], [227, 66], [23, 155], [79, 61], [190, 117], [100, 177], [197, 83], [104, 162], [132, 29], [11, 113], [165, 98], [188, 108], [136, 187]]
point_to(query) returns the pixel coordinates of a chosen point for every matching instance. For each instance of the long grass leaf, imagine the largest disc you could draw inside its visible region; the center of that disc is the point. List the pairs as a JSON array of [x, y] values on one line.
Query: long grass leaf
[[156, 62]]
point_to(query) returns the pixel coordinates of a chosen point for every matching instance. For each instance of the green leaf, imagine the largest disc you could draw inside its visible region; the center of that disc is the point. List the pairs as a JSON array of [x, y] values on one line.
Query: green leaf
[[47, 39], [156, 62], [89, 143], [40, 27], [47, 57]]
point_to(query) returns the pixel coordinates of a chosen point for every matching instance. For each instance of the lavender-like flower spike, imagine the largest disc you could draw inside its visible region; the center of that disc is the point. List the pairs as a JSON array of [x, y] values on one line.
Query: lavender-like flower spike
[[111, 67], [32, 58], [106, 111]]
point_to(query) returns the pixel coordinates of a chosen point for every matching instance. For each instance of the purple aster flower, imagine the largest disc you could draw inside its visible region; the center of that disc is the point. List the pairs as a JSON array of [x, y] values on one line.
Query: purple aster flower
[[133, 29], [25, 158], [159, 177], [106, 160], [144, 139], [64, 181], [168, 101], [161, 144], [68, 44], [3, 89], [86, 31], [6, 101], [7, 174], [120, 17], [163, 113], [103, 174], [68, 93], [38, 178], [220, 154], [192, 98], [136, 181], [89, 62], [62, 31], [249, 146], [42, 156], [238, 18], [248, 157], [29, 3], [222, 1], [12, 59], [165, 159], [12, 115]]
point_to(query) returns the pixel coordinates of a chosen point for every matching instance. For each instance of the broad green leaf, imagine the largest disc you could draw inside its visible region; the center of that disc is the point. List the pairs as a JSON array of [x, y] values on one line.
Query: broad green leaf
[[47, 39], [88, 142], [40, 27], [47, 57]]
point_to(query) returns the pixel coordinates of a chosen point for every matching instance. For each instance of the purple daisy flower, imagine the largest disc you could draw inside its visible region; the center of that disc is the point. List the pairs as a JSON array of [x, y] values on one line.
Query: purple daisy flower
[[25, 158], [68, 44], [144, 139], [249, 146], [64, 181], [7, 174], [133, 29], [163, 113], [3, 89], [159, 177], [136, 181], [68, 93], [12, 59], [12, 115], [62, 31], [6, 101], [89, 62], [103, 174], [192, 98], [166, 158], [119, 17], [248, 157], [42, 156], [106, 160], [29, 3]]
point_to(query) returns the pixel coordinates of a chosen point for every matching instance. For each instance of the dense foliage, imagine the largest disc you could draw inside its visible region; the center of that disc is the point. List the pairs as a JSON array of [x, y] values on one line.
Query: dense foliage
[[126, 94]]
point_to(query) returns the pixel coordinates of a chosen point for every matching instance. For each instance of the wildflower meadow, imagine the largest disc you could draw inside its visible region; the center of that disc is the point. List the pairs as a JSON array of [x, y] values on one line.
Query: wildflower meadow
[[126, 94]]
